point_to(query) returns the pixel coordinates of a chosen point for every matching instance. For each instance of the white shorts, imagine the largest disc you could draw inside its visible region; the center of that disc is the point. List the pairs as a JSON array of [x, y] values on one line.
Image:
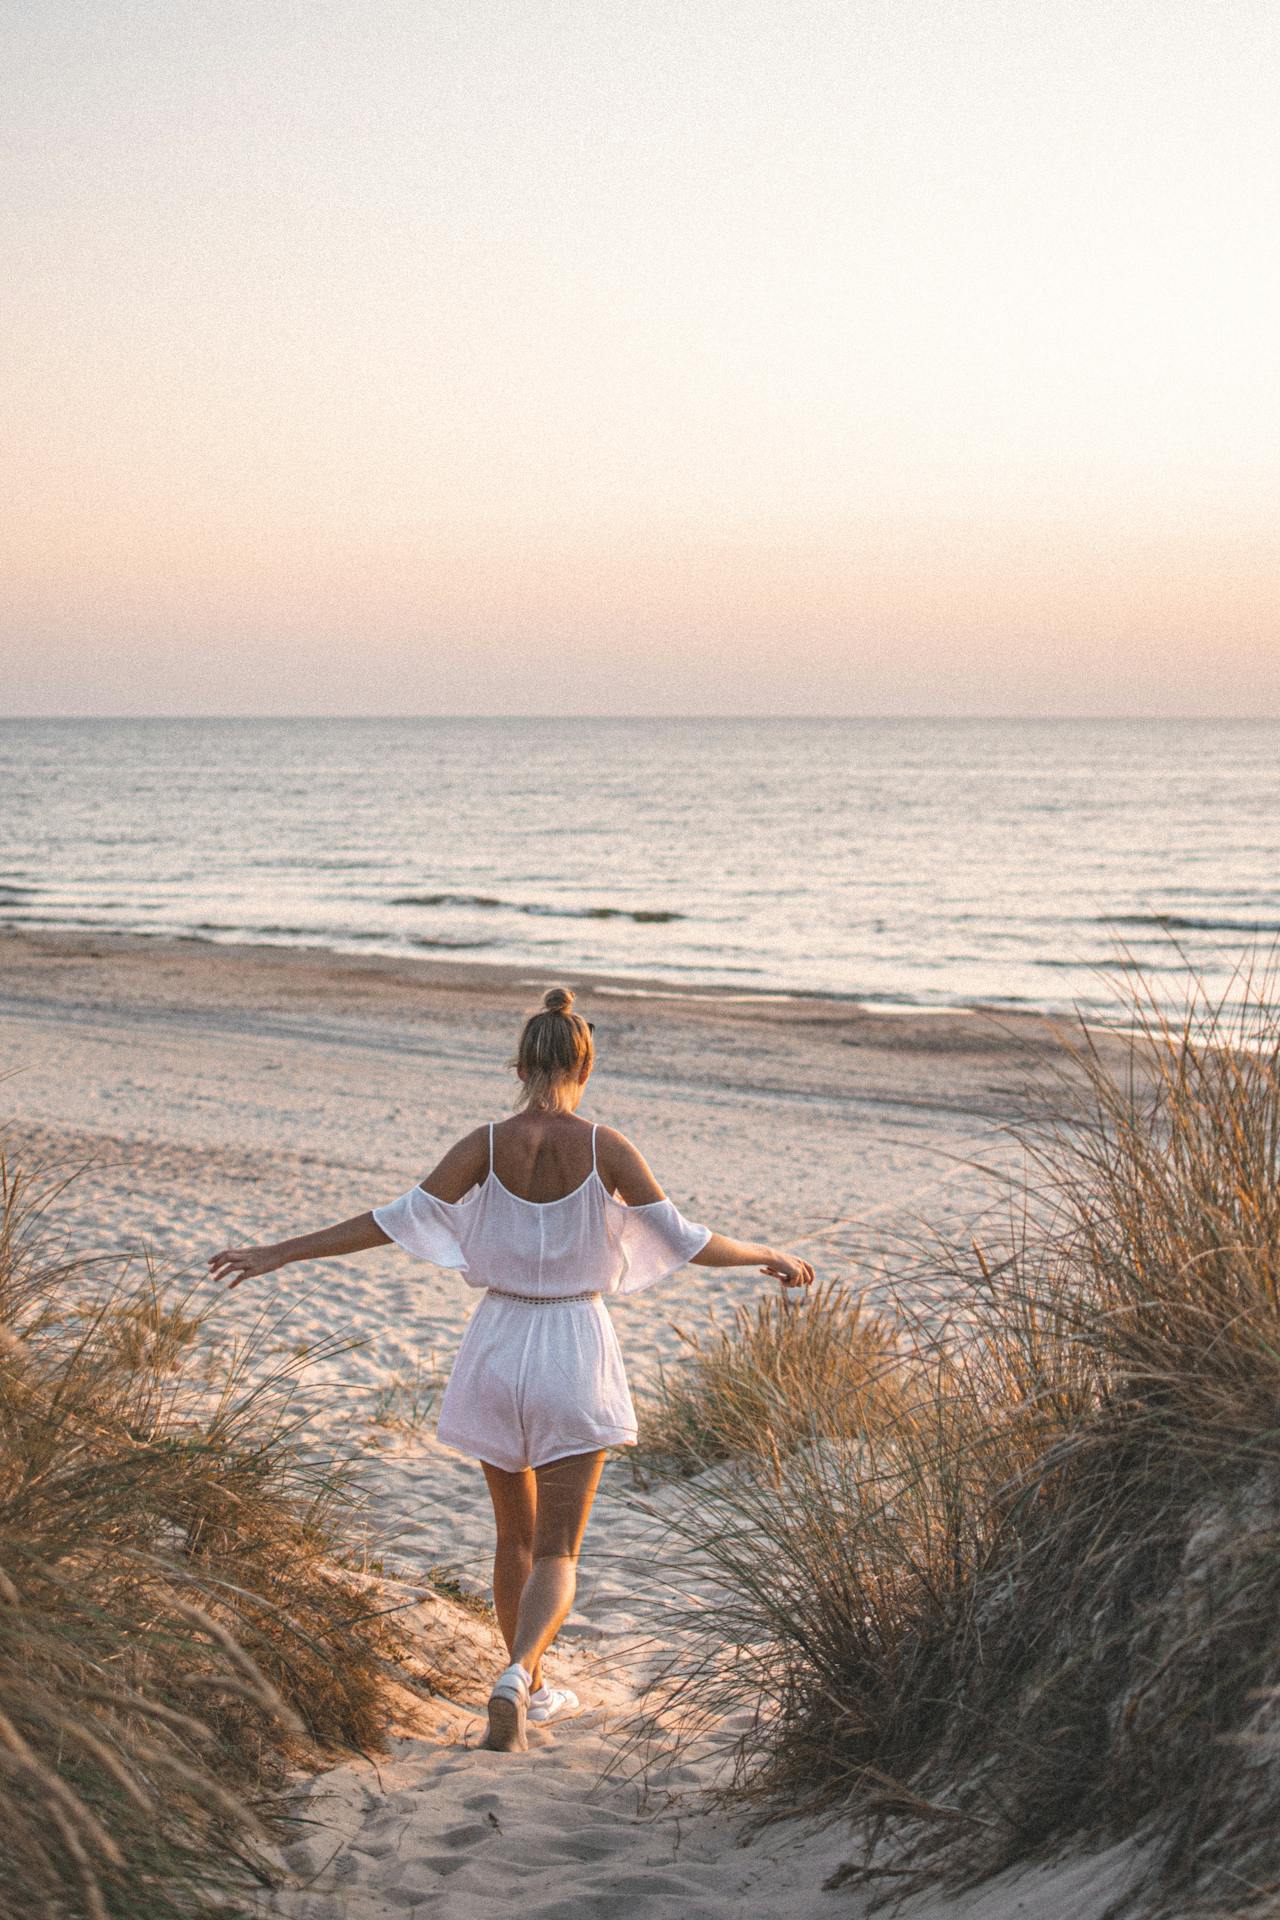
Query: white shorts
[[533, 1383]]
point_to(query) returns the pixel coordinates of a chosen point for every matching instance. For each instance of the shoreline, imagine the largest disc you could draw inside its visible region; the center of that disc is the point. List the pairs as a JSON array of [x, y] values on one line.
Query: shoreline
[[64, 943], [428, 958]]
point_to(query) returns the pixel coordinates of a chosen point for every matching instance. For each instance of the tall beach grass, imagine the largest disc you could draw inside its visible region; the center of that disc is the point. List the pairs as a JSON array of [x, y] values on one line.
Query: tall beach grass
[[175, 1626], [1028, 1593]]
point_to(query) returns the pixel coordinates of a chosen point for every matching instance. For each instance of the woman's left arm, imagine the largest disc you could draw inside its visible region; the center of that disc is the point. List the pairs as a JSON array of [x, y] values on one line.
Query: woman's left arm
[[235, 1264], [720, 1251]]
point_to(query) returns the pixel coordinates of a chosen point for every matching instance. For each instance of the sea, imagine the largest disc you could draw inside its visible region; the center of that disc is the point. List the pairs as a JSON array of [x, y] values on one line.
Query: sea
[[900, 863]]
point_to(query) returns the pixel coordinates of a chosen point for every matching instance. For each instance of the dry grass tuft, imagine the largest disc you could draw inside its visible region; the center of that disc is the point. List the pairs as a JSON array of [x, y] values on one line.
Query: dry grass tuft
[[405, 1402], [173, 1630], [1037, 1599], [795, 1368]]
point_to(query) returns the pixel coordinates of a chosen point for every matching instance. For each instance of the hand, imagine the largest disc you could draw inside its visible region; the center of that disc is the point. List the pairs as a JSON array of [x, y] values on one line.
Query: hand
[[246, 1263], [791, 1272]]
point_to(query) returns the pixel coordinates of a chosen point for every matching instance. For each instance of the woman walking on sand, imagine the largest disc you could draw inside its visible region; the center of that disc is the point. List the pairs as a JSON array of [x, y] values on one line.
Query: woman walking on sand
[[548, 1214]]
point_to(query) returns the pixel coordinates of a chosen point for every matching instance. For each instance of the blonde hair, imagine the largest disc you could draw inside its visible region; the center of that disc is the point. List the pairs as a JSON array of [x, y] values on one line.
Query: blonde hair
[[554, 1046]]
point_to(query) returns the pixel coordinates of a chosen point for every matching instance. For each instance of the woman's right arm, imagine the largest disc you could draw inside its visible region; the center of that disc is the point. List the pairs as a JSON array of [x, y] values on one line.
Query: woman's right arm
[[626, 1172], [449, 1179], [235, 1264]]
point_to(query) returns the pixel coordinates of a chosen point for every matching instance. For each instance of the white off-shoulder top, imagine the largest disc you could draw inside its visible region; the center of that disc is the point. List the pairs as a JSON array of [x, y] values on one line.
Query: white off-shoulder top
[[587, 1241]]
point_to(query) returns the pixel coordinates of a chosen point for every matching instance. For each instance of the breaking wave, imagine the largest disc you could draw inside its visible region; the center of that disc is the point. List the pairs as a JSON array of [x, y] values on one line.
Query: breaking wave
[[643, 915]]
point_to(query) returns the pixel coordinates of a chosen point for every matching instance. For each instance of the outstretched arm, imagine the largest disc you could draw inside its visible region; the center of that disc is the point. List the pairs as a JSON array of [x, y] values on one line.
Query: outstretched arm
[[722, 1252], [449, 1179], [625, 1171], [235, 1264]]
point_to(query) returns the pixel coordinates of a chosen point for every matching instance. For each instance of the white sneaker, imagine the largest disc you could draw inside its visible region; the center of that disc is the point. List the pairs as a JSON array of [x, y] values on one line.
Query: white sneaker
[[508, 1706], [552, 1703]]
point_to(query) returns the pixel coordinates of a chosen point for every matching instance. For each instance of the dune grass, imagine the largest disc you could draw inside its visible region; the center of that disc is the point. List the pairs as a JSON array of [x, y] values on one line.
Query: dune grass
[[1037, 1599], [175, 1629], [788, 1369]]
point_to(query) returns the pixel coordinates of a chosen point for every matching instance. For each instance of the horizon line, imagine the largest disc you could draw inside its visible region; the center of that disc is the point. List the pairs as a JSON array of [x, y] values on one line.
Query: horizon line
[[701, 718]]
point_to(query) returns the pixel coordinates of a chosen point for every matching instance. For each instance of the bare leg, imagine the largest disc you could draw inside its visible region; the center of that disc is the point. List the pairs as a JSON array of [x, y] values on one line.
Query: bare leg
[[514, 1497], [565, 1491]]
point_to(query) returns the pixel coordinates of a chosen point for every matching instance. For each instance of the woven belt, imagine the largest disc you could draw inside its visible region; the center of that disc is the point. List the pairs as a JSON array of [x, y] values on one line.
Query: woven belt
[[541, 1299]]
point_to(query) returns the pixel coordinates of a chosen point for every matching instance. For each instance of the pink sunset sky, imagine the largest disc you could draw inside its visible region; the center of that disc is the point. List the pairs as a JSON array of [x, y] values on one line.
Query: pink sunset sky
[[712, 357]]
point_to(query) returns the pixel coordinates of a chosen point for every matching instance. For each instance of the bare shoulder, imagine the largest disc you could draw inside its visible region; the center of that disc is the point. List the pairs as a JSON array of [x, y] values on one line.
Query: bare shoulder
[[624, 1169], [464, 1165]]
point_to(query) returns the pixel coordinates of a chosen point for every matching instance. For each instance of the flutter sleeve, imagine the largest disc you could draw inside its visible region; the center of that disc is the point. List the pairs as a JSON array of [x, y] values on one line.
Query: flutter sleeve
[[421, 1224], [654, 1240]]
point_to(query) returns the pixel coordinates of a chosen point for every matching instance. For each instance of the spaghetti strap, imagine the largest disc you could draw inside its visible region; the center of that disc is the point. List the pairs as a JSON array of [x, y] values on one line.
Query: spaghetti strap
[[593, 1149], [491, 1147]]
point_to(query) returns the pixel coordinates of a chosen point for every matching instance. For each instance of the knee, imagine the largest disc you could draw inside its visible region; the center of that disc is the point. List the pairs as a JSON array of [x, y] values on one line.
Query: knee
[[565, 1556], [516, 1546]]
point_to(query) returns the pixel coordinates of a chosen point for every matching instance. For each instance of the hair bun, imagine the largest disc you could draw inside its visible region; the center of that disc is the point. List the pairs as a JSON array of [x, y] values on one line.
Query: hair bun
[[558, 999]]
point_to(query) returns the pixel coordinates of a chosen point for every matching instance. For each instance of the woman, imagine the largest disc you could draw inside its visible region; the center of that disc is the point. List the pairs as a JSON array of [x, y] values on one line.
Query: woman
[[548, 1214]]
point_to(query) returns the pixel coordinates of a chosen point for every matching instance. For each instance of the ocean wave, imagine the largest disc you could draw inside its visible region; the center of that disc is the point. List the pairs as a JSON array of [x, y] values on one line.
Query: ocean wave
[[642, 915], [1187, 923], [251, 928], [451, 946], [446, 900], [1107, 962]]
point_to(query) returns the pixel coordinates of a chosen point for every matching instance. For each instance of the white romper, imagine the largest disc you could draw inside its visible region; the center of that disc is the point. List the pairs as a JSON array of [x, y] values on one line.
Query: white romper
[[539, 1373]]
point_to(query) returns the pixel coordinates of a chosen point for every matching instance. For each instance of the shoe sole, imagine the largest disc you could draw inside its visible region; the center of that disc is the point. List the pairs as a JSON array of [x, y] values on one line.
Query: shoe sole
[[506, 1726]]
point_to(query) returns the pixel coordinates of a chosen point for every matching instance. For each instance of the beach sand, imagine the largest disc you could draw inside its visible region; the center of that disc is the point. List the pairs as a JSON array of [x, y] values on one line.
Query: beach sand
[[210, 1095]]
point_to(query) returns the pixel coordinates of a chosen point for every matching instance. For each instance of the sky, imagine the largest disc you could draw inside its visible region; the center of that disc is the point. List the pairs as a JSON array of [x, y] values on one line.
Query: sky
[[726, 356]]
